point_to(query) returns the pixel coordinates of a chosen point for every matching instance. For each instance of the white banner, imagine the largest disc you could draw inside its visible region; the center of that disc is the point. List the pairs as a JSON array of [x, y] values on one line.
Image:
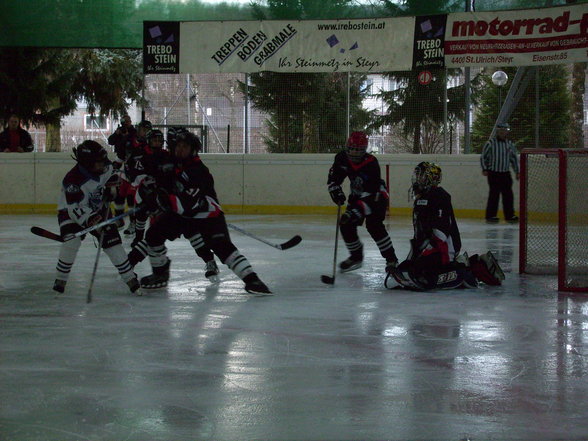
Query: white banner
[[517, 38], [369, 45], [505, 38]]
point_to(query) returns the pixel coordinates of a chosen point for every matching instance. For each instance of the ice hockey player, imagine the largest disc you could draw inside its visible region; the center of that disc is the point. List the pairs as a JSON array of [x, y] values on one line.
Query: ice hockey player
[[368, 201], [130, 171], [86, 193], [434, 261], [157, 164], [190, 205]]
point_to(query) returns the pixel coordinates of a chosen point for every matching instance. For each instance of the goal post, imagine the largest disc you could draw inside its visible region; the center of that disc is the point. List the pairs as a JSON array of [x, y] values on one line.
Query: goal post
[[554, 215]]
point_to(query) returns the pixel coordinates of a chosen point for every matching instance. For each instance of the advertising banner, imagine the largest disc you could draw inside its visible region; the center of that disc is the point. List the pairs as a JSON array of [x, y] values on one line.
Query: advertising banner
[[429, 42], [517, 38], [503, 38], [373, 45], [161, 47]]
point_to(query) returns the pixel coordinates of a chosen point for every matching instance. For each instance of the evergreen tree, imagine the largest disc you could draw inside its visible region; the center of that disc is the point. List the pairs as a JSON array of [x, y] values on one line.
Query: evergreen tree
[[554, 110], [43, 85], [307, 111], [417, 108]]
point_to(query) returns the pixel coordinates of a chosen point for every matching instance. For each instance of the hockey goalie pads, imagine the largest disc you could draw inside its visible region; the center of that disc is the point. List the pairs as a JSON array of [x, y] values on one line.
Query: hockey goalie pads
[[486, 269]]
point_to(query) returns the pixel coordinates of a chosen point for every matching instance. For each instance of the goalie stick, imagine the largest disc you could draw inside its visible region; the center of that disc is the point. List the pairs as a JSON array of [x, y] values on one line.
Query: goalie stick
[[282, 246], [49, 235]]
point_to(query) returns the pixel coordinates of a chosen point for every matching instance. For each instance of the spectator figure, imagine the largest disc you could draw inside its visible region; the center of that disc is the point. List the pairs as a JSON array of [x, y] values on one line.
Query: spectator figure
[[14, 138], [121, 139], [498, 156]]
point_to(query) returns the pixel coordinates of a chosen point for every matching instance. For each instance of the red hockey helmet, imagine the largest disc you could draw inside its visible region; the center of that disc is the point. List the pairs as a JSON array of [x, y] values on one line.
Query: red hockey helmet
[[357, 146]]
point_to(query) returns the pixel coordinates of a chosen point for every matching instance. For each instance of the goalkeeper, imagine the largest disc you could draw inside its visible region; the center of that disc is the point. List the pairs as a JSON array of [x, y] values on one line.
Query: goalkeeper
[[434, 261]]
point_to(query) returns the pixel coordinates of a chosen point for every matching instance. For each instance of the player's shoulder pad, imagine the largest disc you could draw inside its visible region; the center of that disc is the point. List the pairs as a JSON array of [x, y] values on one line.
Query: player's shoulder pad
[[75, 177]]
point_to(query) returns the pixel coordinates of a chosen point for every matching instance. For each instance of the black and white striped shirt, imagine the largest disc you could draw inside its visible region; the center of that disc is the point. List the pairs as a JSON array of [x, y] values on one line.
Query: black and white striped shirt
[[499, 155]]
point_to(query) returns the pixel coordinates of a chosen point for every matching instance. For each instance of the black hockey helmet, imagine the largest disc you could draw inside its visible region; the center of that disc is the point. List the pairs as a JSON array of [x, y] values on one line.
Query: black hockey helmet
[[90, 152], [191, 139], [425, 176], [172, 135], [145, 124], [153, 134]]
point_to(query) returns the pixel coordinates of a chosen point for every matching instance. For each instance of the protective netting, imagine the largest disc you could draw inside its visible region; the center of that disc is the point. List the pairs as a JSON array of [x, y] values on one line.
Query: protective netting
[[576, 237], [545, 205], [119, 23]]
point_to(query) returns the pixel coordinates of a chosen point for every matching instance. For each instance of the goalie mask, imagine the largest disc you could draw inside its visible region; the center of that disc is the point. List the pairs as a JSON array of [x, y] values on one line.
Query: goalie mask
[[357, 146], [92, 156], [425, 176]]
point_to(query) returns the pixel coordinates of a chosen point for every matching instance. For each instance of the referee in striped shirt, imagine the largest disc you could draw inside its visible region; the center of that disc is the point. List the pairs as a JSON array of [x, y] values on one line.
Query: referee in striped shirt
[[498, 156]]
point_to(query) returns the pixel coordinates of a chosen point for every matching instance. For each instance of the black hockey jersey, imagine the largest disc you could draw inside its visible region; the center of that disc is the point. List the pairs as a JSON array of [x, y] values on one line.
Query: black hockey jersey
[[435, 228], [192, 194], [367, 187]]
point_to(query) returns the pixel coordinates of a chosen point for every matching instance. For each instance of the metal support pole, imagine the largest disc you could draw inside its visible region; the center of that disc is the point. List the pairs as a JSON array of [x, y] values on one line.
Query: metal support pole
[[348, 104], [537, 108], [445, 111], [188, 94], [468, 99], [246, 117]]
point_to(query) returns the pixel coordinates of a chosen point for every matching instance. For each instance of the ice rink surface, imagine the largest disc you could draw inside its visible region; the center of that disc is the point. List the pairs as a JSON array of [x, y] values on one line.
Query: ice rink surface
[[353, 361]]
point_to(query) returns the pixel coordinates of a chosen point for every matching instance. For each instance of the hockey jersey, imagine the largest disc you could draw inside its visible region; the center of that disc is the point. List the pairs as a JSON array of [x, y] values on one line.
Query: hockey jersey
[[435, 228], [367, 187], [82, 195], [192, 192]]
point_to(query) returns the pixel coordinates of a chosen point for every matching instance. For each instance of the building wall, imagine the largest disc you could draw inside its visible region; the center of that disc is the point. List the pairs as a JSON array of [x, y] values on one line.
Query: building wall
[[281, 183]]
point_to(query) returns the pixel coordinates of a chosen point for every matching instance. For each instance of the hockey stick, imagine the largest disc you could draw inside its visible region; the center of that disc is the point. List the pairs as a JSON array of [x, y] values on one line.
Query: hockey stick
[[89, 295], [282, 246], [49, 235], [326, 279]]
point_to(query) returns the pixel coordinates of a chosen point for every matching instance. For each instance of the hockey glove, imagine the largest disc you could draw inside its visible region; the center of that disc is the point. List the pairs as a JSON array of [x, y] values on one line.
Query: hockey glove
[[162, 198], [351, 217], [93, 220], [337, 196], [148, 195]]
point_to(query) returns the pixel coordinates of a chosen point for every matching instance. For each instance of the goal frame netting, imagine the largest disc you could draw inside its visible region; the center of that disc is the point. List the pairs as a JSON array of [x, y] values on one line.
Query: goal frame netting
[[554, 223]]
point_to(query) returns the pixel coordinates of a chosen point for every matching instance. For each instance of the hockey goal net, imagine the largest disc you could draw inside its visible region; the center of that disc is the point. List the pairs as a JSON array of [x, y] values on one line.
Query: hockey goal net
[[554, 215]]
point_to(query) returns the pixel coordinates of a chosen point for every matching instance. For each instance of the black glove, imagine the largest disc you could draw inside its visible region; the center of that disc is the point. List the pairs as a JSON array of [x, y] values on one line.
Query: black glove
[[338, 196], [162, 198], [351, 216], [148, 194]]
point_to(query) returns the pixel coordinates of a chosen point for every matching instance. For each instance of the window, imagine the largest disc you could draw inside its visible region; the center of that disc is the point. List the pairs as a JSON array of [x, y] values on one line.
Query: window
[[368, 86], [94, 122]]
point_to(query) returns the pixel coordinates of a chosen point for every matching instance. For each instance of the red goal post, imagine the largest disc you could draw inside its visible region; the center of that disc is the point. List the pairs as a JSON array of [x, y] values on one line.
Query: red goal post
[[554, 215]]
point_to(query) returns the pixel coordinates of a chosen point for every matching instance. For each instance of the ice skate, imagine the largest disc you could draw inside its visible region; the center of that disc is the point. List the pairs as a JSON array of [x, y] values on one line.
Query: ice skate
[[59, 286], [130, 229], [350, 264], [211, 272], [135, 286], [391, 265], [253, 285], [158, 279]]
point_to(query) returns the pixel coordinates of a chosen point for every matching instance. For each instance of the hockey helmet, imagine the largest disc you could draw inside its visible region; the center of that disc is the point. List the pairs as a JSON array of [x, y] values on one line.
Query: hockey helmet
[[172, 135], [145, 124], [357, 146], [89, 153], [191, 139], [425, 176], [154, 135]]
